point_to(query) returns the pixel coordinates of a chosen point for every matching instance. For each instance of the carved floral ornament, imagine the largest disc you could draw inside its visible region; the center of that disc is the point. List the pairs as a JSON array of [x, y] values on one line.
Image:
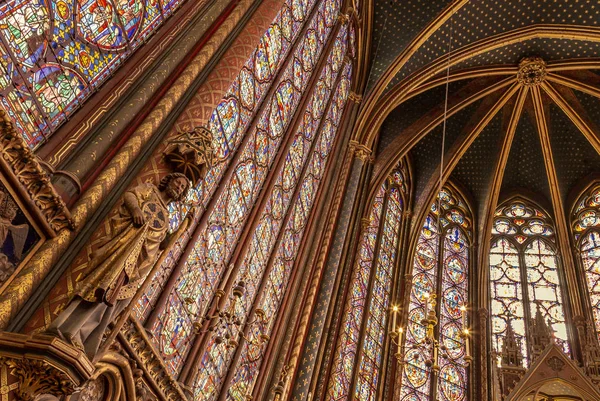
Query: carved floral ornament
[[19, 161], [532, 71]]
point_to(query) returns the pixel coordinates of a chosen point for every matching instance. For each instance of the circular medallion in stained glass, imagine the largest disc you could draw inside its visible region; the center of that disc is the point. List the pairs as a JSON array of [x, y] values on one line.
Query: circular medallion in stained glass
[[416, 329], [595, 198], [452, 340], [247, 88], [536, 226], [456, 216], [455, 270], [426, 256], [453, 300], [503, 226], [452, 383], [415, 368], [588, 219], [421, 285], [229, 116], [26, 26], [107, 27], [517, 210], [286, 22], [57, 87], [281, 108], [309, 50], [298, 10]]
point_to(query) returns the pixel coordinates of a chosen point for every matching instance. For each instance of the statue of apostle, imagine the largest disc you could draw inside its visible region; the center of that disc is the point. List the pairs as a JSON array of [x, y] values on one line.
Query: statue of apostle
[[118, 268]]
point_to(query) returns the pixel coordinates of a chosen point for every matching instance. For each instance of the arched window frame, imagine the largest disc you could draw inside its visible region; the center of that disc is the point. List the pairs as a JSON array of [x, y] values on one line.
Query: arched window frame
[[349, 379], [585, 221], [539, 213], [404, 387]]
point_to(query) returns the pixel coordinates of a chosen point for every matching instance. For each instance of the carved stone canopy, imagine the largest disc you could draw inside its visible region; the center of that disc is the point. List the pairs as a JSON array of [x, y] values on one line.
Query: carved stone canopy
[[24, 170], [190, 153]]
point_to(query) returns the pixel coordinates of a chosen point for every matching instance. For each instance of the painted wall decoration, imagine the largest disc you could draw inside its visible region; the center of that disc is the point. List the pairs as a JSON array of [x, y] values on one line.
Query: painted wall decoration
[[56, 53]]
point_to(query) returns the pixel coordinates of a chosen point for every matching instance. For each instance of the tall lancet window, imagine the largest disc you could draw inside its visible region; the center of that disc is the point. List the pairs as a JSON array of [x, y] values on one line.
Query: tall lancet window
[[526, 296], [441, 271], [358, 358], [586, 230]]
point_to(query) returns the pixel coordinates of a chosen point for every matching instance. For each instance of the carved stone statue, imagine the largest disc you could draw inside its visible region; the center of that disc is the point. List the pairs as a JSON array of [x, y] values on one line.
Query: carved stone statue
[[117, 269]]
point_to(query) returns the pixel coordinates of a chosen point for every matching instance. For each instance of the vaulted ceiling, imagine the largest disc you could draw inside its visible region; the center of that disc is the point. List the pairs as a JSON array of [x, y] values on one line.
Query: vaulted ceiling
[[531, 126]]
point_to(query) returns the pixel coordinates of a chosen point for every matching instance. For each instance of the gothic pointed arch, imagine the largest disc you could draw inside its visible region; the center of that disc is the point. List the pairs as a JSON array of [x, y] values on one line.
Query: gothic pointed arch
[[440, 272], [526, 282], [357, 365]]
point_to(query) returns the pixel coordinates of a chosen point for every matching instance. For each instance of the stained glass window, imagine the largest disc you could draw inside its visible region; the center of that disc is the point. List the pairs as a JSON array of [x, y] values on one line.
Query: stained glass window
[[225, 220], [524, 275], [441, 270], [375, 263], [586, 230], [216, 359], [228, 123], [55, 53]]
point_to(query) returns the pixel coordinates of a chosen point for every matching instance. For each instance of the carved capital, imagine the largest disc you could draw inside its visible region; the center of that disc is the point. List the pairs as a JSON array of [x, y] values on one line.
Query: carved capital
[[19, 160], [343, 18], [361, 151], [191, 153], [354, 97]]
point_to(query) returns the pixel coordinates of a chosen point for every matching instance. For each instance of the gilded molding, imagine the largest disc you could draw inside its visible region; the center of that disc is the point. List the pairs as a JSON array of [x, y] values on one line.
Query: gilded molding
[[136, 338], [362, 152], [355, 98], [32, 177], [22, 287]]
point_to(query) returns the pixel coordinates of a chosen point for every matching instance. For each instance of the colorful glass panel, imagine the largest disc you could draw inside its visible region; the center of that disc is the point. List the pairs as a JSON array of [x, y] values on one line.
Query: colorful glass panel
[[375, 261], [255, 261], [524, 275], [201, 275], [284, 256], [369, 365], [440, 269], [55, 53], [228, 123], [586, 220]]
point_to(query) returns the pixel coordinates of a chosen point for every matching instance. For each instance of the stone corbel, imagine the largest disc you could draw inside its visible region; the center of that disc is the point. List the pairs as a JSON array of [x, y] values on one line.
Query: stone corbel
[[25, 171]]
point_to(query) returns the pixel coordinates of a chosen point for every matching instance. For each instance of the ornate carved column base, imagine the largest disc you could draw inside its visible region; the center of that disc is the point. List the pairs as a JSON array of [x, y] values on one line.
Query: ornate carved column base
[[40, 365]]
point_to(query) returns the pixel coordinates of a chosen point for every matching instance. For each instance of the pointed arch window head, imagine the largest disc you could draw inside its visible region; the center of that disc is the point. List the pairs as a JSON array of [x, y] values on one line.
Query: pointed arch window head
[[440, 267], [525, 282], [359, 357], [586, 232]]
